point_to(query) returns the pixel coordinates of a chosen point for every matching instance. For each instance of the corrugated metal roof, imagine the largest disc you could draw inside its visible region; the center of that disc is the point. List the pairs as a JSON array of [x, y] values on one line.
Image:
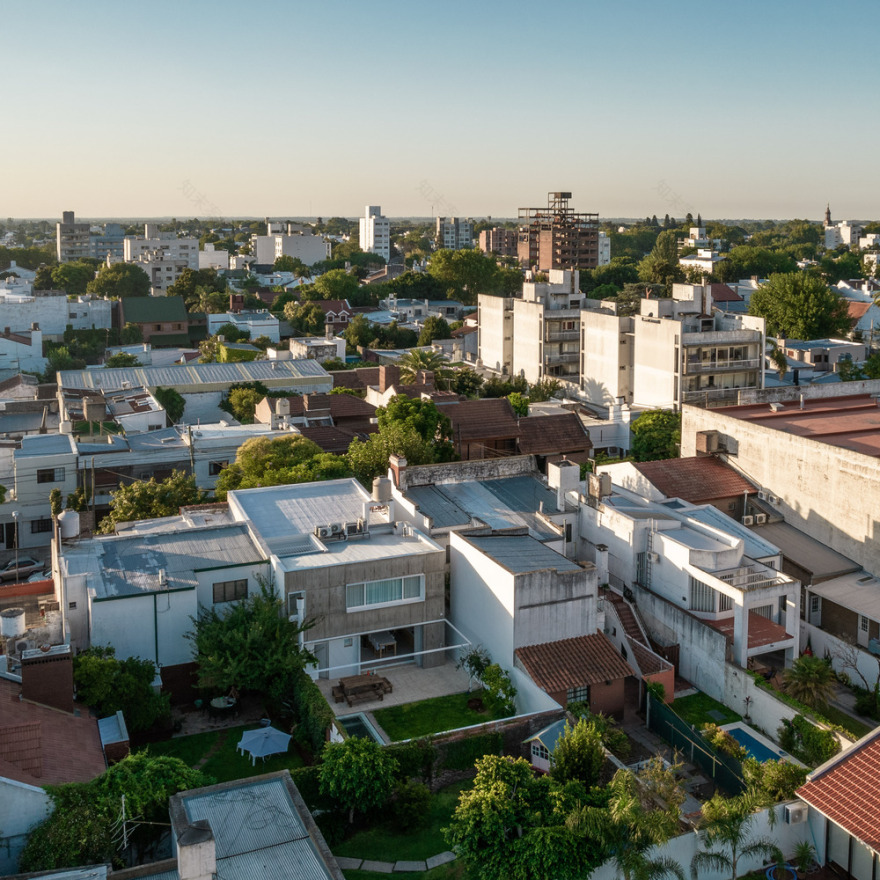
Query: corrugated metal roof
[[521, 553], [435, 503], [857, 590]]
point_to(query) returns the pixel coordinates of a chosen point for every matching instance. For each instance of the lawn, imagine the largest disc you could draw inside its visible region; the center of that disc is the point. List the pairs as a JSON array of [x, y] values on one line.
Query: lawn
[[431, 716], [695, 710], [847, 722], [389, 842], [225, 763]]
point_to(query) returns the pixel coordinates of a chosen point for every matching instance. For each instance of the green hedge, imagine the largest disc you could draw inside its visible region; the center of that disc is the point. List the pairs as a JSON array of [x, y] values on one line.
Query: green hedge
[[806, 742], [308, 781], [415, 759], [313, 715], [462, 754]]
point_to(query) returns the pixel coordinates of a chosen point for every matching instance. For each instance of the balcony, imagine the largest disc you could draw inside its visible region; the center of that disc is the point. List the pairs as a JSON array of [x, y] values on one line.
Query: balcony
[[562, 358], [562, 336], [691, 367], [707, 396]]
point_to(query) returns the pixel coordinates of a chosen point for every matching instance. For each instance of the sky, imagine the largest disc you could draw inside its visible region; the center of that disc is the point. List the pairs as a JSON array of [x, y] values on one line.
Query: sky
[[285, 108]]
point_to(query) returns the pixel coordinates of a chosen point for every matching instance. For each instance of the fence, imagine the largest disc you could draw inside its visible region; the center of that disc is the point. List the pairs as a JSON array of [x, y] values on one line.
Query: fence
[[725, 770]]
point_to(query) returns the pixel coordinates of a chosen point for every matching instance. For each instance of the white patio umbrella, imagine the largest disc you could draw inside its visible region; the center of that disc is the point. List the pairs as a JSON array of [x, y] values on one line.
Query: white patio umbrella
[[263, 742]]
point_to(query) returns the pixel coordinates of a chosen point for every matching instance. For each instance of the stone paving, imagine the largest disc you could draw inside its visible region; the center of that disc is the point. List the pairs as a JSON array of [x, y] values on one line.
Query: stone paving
[[400, 867]]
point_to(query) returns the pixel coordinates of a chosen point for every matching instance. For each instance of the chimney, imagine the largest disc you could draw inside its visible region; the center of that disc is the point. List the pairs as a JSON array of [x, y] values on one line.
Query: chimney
[[563, 476], [197, 852], [397, 465], [35, 326], [602, 563], [47, 677], [389, 375]]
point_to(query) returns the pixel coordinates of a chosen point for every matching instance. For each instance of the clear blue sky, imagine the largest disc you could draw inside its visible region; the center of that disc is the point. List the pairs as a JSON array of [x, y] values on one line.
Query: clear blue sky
[[751, 108]]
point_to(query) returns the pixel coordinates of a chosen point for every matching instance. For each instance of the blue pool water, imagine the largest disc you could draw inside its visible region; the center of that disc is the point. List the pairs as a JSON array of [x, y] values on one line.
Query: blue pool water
[[755, 749], [359, 725]]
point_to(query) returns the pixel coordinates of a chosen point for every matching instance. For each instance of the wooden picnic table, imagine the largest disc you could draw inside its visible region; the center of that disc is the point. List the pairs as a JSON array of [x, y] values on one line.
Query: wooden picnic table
[[356, 688]]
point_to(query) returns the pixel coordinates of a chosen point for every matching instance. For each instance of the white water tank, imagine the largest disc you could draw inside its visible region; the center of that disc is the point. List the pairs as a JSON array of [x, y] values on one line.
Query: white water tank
[[382, 490], [65, 427], [68, 524], [12, 623]]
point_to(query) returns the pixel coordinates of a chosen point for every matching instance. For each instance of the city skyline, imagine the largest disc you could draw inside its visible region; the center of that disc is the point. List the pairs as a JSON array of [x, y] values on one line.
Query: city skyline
[[318, 111]]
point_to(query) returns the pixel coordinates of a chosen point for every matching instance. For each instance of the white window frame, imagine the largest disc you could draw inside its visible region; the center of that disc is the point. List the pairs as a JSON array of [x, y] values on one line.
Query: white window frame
[[364, 606]]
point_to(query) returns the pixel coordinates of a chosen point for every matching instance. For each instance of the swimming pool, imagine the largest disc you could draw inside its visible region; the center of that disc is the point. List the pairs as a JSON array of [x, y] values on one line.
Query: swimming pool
[[359, 725], [758, 746]]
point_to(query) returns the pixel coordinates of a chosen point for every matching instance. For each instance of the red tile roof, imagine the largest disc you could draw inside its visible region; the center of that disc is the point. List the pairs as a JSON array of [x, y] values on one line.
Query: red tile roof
[[486, 419], [761, 630], [570, 663], [723, 293], [847, 791], [553, 434], [42, 746], [335, 440], [333, 305], [357, 379], [857, 310], [698, 480]]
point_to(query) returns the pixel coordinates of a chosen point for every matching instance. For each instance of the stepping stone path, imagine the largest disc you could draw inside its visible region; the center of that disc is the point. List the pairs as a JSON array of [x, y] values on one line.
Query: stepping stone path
[[348, 864]]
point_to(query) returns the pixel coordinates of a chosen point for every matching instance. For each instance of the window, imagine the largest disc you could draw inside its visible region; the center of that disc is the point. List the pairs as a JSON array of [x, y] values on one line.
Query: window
[[568, 533], [814, 604], [385, 592], [71, 606], [214, 467], [725, 603], [540, 751], [863, 623], [578, 694], [41, 525], [229, 591], [642, 569], [50, 475], [702, 596]]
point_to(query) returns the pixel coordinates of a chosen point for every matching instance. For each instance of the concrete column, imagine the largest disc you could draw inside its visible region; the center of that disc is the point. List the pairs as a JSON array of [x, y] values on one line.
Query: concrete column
[[740, 634]]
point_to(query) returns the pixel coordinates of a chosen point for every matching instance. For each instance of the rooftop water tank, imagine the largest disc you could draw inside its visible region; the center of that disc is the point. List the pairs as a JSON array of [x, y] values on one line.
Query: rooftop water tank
[[12, 623], [68, 524]]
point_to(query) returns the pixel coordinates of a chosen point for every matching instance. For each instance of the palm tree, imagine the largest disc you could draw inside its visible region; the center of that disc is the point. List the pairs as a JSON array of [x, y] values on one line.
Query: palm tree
[[424, 359], [629, 829], [810, 680], [725, 831]]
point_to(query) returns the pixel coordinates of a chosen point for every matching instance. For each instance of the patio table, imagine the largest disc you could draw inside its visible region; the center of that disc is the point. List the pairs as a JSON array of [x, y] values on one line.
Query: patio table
[[381, 641]]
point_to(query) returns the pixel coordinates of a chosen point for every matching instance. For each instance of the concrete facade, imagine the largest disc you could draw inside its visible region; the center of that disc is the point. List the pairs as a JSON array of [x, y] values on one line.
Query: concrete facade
[[310, 249], [375, 232]]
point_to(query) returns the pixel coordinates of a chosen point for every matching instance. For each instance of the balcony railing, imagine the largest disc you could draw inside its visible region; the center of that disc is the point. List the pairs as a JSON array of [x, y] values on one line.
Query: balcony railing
[[713, 395], [717, 365], [565, 358], [562, 335]]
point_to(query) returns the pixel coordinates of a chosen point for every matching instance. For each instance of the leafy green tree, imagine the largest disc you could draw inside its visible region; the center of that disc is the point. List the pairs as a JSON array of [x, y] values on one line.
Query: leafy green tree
[[249, 646], [286, 263], [620, 271], [278, 461], [307, 317], [661, 265], [726, 834], [466, 273], [120, 279], [434, 328], [421, 359], [496, 386], [656, 434], [242, 403], [519, 403], [415, 285], [191, 284], [81, 828], [369, 458], [172, 402], [335, 284], [544, 389], [231, 333], [109, 685], [131, 334], [148, 499], [746, 261], [467, 382], [59, 359], [800, 306], [810, 680], [358, 773], [579, 754], [73, 278], [121, 359], [773, 781], [841, 267], [422, 416], [359, 333]]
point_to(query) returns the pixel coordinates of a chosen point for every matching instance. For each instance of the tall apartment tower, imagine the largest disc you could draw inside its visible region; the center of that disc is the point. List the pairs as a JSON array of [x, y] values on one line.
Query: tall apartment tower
[[375, 232], [454, 233], [71, 238], [558, 237]]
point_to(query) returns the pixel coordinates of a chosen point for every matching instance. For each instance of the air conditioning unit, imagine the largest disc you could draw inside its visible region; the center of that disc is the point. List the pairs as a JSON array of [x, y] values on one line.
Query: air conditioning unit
[[760, 519], [762, 494], [337, 528], [795, 814], [748, 520], [654, 557], [322, 531]]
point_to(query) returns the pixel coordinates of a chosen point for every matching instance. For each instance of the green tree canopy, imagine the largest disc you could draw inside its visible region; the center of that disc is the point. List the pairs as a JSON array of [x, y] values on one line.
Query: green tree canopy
[[120, 279], [277, 461], [579, 754], [422, 416], [810, 680], [358, 774], [661, 265], [466, 273], [149, 499], [73, 278], [421, 359], [249, 645], [121, 359], [172, 402], [748, 260], [369, 458], [434, 328], [308, 317], [466, 381], [656, 434], [335, 284], [193, 284], [800, 306]]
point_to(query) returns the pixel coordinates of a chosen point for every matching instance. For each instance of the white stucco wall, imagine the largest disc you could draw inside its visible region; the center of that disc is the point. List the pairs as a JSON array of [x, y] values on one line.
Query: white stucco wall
[[21, 808]]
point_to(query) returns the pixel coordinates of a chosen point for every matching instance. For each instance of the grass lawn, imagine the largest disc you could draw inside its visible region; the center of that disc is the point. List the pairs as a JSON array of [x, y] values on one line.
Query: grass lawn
[[225, 763], [389, 842], [452, 871], [847, 722], [431, 716], [695, 710]]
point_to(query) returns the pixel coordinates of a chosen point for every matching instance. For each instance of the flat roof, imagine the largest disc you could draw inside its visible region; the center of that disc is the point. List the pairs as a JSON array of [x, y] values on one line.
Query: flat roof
[[806, 552], [46, 444], [755, 544], [848, 421], [857, 590], [521, 553]]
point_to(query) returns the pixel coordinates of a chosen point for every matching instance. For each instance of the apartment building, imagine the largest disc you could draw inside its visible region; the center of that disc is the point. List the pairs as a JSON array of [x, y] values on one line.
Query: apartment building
[[558, 237], [375, 232], [52, 311], [499, 240], [162, 256], [22, 350], [310, 249], [71, 238], [454, 233], [108, 244]]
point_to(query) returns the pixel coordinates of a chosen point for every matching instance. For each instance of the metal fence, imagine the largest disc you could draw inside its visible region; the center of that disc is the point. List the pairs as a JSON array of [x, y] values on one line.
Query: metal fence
[[723, 769]]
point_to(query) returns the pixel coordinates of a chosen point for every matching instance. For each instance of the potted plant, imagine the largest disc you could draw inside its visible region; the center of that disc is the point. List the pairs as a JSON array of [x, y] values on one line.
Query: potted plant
[[804, 854]]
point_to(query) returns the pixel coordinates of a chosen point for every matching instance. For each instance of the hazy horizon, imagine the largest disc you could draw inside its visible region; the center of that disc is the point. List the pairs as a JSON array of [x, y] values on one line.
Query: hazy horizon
[[304, 110]]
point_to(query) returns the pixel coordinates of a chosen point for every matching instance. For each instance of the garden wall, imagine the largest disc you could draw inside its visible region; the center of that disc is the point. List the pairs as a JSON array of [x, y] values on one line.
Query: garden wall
[[824, 644]]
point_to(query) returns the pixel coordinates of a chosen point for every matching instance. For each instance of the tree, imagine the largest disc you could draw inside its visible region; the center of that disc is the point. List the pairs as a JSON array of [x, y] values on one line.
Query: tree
[[120, 279], [358, 774], [286, 263], [191, 284], [231, 333], [661, 265], [422, 416], [425, 360], [369, 458], [466, 273], [810, 680], [277, 461], [519, 403], [434, 328], [109, 685], [250, 645], [544, 389], [307, 317], [726, 832], [579, 754], [747, 261], [656, 434], [467, 382], [335, 284], [849, 656], [242, 403], [73, 278], [172, 402], [800, 306], [150, 499], [359, 333], [121, 359]]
